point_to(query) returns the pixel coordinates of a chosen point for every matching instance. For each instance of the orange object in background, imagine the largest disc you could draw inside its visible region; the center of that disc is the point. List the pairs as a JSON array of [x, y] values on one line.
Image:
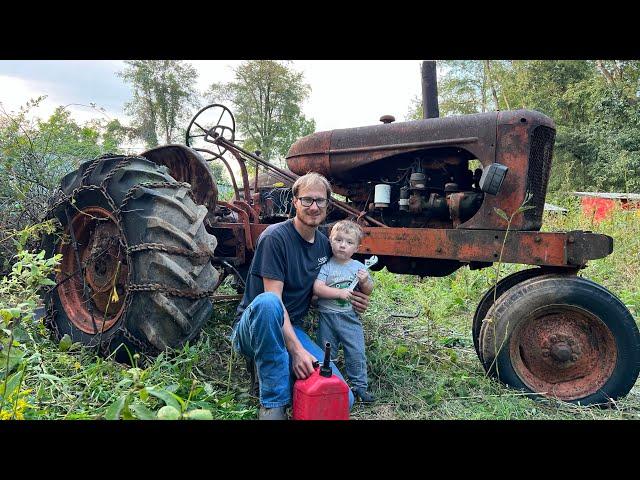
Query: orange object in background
[[597, 208], [598, 205]]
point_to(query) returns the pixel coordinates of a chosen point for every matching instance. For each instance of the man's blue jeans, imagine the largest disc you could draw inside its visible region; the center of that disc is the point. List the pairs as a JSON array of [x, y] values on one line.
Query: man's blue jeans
[[258, 335]]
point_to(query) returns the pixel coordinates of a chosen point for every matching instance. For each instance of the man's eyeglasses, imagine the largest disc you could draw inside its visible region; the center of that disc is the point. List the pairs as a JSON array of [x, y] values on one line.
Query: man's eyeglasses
[[308, 201]]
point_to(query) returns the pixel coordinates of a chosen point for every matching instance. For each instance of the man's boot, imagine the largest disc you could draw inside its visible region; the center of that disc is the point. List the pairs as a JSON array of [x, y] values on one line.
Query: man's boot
[[276, 413]]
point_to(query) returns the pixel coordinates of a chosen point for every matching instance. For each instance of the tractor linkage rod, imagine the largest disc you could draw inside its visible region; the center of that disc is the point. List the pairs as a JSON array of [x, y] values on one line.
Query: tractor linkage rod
[[291, 177]]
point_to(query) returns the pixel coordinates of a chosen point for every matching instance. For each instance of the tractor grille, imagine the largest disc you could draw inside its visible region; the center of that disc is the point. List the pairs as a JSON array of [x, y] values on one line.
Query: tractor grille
[[538, 174]]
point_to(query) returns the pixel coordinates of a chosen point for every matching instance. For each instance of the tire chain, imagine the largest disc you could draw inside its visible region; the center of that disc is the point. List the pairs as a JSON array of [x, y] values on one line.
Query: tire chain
[[132, 190], [122, 163], [141, 345], [169, 249], [157, 287], [49, 321], [87, 173]]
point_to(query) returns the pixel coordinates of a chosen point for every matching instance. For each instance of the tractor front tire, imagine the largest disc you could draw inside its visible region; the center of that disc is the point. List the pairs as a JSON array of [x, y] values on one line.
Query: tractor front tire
[[494, 293], [562, 337]]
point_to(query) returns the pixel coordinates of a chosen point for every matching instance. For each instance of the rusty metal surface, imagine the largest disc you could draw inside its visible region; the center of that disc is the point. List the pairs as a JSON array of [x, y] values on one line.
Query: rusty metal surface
[[104, 268], [563, 351], [187, 165], [513, 134], [366, 153], [343, 154], [531, 248], [226, 164], [425, 245], [245, 224], [586, 245], [247, 208], [289, 178], [243, 172]]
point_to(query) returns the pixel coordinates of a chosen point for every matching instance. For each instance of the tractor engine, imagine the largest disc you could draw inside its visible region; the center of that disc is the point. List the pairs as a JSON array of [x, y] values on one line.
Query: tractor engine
[[438, 172]]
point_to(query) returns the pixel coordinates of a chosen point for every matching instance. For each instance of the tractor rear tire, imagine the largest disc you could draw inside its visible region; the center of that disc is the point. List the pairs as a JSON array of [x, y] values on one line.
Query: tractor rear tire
[[144, 257], [562, 337]]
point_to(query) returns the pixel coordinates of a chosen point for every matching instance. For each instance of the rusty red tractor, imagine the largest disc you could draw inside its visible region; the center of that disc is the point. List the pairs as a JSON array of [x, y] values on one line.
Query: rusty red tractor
[[147, 241]]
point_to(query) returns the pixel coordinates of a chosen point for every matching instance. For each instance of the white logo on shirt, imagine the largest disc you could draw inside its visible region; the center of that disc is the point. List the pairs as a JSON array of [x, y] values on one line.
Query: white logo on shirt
[[322, 260]]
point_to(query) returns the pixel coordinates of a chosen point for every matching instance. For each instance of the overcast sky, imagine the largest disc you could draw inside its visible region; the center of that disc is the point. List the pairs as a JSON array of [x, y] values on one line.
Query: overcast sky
[[344, 93]]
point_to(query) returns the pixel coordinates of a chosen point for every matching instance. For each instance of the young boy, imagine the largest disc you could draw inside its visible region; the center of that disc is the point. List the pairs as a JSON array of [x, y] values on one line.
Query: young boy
[[338, 322]]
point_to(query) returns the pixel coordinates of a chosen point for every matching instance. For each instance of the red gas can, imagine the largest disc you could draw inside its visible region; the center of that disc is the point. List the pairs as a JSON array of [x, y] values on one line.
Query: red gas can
[[321, 396]]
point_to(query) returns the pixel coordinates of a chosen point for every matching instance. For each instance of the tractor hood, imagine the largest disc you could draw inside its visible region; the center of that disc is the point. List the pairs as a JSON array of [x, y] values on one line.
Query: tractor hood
[[336, 153]]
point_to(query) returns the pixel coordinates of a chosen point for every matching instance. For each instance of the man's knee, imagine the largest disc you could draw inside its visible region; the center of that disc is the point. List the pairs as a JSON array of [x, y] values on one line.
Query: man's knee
[[268, 306], [268, 300]]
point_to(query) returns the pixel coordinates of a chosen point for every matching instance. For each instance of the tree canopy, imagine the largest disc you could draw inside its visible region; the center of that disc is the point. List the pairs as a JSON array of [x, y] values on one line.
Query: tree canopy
[[267, 97], [37, 153], [163, 94], [594, 104]]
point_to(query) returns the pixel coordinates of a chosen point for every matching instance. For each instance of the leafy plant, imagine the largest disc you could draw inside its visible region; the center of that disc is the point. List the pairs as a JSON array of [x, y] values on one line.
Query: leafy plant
[[18, 301]]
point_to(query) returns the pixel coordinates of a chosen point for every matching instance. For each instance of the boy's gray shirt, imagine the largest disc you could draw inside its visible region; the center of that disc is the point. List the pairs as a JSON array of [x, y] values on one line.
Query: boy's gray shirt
[[338, 275]]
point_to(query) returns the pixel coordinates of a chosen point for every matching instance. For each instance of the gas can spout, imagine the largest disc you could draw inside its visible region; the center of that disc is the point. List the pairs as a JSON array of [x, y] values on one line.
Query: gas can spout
[[325, 370]]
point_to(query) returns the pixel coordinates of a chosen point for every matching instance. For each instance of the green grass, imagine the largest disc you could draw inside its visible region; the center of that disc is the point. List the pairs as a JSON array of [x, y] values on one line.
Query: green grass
[[423, 367]]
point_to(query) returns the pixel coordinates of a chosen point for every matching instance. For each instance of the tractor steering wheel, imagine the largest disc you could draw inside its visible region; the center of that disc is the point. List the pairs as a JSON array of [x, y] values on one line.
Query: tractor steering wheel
[[209, 123]]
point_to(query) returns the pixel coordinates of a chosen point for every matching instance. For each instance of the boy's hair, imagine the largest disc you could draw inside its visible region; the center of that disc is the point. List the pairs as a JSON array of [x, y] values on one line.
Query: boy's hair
[[311, 179], [347, 226]]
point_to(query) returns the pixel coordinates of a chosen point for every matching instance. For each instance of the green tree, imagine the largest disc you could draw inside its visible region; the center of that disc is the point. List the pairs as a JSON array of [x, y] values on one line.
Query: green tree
[[464, 87], [594, 104], [163, 94], [35, 154], [266, 96]]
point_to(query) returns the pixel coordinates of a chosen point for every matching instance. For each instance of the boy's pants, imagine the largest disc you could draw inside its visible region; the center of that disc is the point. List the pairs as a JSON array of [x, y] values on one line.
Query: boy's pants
[[258, 336], [346, 328]]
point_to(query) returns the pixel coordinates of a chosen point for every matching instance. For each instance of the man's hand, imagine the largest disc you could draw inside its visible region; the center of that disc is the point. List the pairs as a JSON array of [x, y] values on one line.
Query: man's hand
[[302, 362], [360, 301]]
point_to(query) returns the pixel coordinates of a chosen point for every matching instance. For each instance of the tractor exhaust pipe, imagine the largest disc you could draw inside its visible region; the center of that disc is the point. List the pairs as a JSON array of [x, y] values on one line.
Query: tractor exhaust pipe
[[429, 90]]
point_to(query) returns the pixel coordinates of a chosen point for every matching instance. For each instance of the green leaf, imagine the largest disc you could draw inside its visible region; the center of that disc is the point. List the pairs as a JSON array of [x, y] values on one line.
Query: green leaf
[[141, 412], [115, 409], [125, 382], [501, 213], [400, 351], [65, 343], [168, 413], [169, 398], [208, 389], [144, 394], [48, 281], [12, 383], [15, 358], [198, 414], [51, 378], [524, 208], [20, 334]]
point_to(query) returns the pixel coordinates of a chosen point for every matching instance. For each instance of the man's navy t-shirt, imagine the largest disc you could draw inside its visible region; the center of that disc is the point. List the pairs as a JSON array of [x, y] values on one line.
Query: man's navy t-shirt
[[282, 254]]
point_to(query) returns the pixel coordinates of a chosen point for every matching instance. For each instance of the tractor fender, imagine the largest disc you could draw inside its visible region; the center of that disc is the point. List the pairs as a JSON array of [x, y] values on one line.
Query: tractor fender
[[187, 165]]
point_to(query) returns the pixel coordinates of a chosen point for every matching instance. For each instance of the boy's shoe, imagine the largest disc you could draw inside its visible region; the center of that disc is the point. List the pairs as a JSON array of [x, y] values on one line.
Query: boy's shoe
[[363, 395], [276, 413]]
